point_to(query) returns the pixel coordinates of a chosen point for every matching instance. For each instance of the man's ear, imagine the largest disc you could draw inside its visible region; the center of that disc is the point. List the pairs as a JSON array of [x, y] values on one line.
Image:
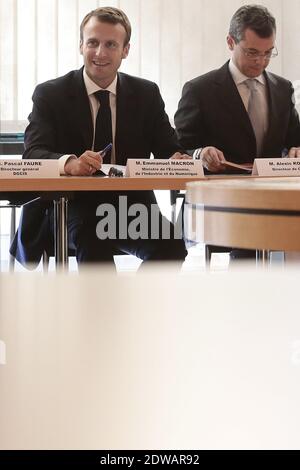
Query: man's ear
[[125, 51], [80, 46], [230, 42]]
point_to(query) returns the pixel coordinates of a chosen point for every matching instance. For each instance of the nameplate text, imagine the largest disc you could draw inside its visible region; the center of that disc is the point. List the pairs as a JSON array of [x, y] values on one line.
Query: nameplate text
[[159, 168], [29, 169], [276, 167]]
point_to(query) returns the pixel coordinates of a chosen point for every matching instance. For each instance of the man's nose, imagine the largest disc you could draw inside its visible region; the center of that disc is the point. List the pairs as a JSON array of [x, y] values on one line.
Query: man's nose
[[262, 58], [100, 50]]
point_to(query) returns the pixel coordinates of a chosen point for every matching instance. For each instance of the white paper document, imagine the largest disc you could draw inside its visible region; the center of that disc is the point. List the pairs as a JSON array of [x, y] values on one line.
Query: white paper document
[[243, 167]]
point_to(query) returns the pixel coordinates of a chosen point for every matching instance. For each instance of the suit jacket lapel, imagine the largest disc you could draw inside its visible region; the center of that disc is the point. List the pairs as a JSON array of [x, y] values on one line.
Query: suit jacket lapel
[[274, 114], [81, 109], [229, 97], [126, 113]]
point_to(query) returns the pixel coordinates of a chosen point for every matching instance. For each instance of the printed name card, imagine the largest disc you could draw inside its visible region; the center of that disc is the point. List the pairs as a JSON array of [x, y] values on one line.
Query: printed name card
[[159, 168], [276, 167], [29, 169]]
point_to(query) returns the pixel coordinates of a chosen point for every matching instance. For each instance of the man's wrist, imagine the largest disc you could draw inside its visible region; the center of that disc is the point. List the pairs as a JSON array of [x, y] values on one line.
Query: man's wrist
[[63, 161]]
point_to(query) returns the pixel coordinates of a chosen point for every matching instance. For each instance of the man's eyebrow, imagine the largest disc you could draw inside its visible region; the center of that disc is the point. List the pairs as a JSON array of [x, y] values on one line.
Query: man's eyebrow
[[256, 50], [91, 39]]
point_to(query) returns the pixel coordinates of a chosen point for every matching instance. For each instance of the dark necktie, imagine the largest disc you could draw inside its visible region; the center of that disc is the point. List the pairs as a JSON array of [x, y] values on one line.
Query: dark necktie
[[103, 128]]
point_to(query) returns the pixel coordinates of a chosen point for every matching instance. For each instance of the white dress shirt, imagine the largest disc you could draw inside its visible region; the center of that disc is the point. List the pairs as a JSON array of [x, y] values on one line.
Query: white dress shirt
[[91, 88], [239, 79]]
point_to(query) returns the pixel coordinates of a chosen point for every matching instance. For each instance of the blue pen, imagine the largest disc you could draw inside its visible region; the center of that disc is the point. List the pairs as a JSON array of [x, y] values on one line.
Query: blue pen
[[105, 150], [102, 154]]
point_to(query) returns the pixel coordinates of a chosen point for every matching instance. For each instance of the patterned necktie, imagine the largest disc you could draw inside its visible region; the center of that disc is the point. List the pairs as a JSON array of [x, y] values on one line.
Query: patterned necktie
[[255, 114], [103, 128]]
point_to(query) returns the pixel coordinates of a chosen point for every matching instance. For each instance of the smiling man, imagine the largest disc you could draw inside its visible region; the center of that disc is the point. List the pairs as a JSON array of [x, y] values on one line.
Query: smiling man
[[75, 117], [103, 56], [240, 112]]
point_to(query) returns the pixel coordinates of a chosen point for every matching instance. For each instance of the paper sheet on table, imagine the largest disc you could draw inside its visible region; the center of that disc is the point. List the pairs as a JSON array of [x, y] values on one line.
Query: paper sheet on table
[[244, 167]]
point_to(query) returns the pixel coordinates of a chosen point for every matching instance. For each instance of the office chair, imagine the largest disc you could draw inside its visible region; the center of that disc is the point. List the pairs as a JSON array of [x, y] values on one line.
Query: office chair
[[11, 143]]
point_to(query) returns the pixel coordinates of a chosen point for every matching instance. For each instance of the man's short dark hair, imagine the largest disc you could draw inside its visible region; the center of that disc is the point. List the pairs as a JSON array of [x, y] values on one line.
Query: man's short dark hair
[[254, 17], [108, 15]]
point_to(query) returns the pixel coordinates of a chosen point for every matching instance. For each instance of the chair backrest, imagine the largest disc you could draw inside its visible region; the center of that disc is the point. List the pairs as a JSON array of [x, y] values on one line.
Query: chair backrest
[[11, 143]]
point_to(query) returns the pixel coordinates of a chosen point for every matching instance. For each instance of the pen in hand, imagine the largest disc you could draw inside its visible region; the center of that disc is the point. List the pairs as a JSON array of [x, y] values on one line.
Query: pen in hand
[[103, 152]]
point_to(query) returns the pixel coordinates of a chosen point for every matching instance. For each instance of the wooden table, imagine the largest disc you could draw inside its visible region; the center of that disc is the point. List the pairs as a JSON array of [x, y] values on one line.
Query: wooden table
[[257, 213], [82, 183], [61, 189]]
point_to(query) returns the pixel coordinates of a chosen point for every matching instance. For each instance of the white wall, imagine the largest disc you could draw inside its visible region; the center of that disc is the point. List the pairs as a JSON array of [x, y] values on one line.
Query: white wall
[[172, 41]]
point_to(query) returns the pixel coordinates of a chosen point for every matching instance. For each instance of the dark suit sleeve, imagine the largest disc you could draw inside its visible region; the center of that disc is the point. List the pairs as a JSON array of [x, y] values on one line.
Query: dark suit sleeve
[[188, 118], [163, 137], [40, 136], [293, 131]]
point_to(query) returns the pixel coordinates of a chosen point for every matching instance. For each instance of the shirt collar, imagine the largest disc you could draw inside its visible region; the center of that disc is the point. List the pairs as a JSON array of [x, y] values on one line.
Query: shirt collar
[[239, 77], [92, 87]]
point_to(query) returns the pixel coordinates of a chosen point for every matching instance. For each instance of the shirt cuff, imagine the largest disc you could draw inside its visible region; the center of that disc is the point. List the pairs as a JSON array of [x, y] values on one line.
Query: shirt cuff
[[62, 161]]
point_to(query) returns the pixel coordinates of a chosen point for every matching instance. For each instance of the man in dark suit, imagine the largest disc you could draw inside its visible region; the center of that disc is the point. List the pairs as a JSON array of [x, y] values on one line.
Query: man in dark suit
[[240, 112], [214, 118], [88, 109]]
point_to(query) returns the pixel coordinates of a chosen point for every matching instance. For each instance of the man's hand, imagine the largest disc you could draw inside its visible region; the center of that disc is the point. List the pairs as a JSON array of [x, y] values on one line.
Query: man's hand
[[294, 152], [180, 156], [85, 165], [212, 159]]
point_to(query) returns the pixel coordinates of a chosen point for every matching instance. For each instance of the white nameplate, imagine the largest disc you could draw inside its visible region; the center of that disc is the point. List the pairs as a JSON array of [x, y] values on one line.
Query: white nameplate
[[276, 167], [29, 169], [159, 168]]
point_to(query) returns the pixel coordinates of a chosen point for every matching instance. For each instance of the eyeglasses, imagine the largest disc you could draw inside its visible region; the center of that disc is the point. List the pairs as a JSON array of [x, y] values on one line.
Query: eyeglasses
[[252, 54]]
